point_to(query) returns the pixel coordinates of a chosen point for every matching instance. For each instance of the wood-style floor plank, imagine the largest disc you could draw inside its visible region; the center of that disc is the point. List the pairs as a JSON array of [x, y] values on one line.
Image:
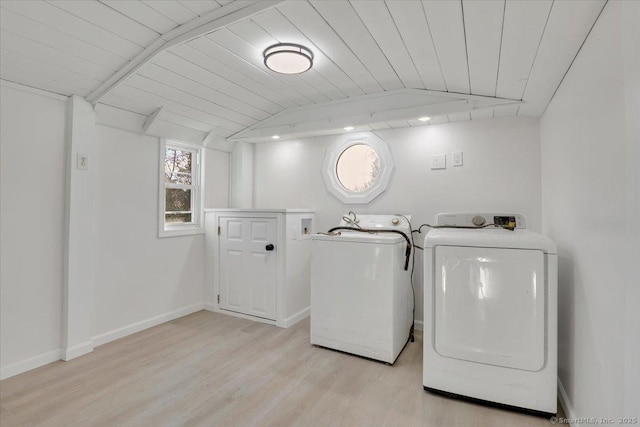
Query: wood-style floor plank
[[210, 369]]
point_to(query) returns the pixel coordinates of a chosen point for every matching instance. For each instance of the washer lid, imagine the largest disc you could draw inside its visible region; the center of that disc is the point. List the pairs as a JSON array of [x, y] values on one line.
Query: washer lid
[[490, 238], [362, 237]]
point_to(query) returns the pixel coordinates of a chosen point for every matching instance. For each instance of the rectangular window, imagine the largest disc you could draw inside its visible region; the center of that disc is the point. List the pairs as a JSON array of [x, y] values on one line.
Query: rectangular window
[[179, 189]]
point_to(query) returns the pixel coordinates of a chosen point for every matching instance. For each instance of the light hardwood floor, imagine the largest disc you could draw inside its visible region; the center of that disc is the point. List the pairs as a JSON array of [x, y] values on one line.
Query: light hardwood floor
[[210, 369]]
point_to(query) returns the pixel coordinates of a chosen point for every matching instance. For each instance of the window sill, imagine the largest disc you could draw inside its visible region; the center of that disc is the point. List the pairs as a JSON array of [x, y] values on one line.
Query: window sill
[[177, 232]]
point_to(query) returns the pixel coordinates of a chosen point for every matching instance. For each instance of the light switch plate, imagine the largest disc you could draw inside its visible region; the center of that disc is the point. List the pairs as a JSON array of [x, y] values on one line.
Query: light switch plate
[[456, 158], [82, 161], [439, 161]]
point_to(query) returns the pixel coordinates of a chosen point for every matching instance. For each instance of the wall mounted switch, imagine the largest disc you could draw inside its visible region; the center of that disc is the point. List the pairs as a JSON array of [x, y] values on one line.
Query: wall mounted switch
[[82, 161], [439, 161], [456, 158]]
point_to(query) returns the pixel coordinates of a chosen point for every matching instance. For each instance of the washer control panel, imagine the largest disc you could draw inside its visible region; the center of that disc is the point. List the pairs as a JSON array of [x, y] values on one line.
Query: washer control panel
[[481, 219], [377, 221], [478, 220]]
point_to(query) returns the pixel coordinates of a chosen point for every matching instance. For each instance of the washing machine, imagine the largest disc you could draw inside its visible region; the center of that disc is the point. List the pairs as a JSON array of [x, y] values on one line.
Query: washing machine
[[361, 294], [490, 307]]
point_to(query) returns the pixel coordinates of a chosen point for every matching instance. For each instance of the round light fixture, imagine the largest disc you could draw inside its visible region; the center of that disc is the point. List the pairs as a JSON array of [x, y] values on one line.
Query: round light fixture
[[288, 58], [275, 137], [424, 119], [349, 128]]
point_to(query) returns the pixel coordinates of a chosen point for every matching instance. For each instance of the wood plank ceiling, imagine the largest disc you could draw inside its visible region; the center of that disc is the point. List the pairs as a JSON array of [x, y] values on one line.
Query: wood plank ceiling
[[218, 83]]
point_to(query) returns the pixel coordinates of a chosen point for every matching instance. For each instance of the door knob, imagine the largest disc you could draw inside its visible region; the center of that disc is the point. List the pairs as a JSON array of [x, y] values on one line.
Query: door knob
[[269, 247]]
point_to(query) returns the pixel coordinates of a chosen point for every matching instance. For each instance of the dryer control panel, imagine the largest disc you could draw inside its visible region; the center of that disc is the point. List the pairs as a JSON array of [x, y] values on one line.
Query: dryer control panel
[[480, 219]]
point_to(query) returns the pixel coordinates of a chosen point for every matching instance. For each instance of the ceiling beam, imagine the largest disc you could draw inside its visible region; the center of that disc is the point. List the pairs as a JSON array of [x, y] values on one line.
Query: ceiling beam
[[207, 23], [153, 118], [217, 142], [402, 104]]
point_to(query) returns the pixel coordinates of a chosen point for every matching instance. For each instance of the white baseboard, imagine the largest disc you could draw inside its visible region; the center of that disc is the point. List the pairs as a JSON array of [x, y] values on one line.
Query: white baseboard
[[289, 321], [77, 350], [244, 316], [30, 363], [84, 348], [418, 325], [292, 320], [145, 324], [566, 403]]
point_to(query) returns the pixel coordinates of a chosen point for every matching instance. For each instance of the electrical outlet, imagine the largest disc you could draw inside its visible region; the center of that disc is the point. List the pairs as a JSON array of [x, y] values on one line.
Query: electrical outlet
[[456, 158], [82, 162], [439, 161]]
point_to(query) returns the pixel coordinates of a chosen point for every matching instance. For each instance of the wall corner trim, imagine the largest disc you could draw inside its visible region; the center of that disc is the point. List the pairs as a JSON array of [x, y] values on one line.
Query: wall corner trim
[[566, 403], [295, 318], [79, 279], [77, 351], [34, 90]]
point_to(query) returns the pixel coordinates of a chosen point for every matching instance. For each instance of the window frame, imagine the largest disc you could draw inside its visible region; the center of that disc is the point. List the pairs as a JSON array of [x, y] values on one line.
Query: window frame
[[330, 168], [196, 225]]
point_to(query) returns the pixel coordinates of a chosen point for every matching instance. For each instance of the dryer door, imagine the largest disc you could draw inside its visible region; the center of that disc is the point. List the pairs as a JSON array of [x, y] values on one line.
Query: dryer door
[[489, 306]]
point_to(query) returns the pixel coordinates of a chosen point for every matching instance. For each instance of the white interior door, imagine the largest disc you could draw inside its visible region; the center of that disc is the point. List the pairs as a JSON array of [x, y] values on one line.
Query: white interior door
[[489, 306], [248, 264]]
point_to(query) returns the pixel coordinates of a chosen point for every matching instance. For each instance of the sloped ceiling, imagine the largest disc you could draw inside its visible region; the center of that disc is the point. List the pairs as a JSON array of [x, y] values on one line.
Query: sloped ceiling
[[215, 84]]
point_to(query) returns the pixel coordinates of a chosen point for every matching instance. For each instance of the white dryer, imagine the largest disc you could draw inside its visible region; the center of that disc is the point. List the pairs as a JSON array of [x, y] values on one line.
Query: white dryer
[[361, 296], [490, 303]]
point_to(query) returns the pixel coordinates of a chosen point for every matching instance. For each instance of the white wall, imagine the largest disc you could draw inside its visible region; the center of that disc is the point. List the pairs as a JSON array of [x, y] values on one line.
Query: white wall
[[590, 208], [77, 290], [216, 179], [140, 280], [630, 42], [139, 276], [240, 180], [32, 191], [501, 173]]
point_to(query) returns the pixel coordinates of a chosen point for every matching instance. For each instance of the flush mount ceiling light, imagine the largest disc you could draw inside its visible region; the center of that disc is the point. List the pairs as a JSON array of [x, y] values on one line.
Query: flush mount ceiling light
[[349, 128], [288, 58], [275, 137], [424, 119]]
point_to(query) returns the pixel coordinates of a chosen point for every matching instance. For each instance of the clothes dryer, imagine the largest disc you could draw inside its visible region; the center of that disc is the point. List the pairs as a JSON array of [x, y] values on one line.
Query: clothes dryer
[[490, 302]]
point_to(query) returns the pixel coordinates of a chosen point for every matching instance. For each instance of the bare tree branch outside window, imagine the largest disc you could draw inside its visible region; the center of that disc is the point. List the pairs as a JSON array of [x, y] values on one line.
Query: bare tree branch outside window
[[358, 167], [178, 178]]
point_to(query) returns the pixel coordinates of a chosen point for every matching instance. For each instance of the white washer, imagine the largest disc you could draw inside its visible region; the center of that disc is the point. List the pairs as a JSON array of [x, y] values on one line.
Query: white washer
[[490, 302], [361, 297]]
